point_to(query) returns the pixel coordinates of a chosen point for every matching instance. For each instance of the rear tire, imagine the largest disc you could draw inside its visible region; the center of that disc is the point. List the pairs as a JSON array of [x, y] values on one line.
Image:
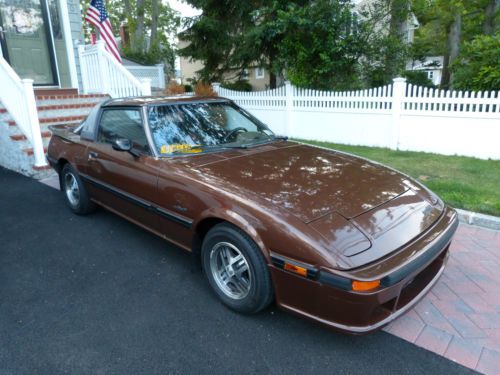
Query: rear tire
[[236, 269], [75, 194]]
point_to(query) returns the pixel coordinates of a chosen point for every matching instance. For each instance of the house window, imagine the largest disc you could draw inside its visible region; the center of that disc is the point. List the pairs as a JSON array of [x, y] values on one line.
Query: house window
[[430, 75], [259, 73], [244, 74]]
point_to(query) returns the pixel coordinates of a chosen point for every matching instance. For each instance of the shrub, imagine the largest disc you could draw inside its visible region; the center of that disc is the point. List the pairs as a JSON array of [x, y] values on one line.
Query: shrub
[[188, 88], [478, 66], [418, 78], [174, 88], [241, 85], [204, 89]]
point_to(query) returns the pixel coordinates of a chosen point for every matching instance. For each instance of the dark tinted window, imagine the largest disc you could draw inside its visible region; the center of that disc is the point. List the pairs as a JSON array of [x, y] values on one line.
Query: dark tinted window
[[123, 123]]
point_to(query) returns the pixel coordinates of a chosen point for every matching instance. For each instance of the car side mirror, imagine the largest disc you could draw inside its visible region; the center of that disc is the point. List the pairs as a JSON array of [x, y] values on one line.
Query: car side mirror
[[122, 144]]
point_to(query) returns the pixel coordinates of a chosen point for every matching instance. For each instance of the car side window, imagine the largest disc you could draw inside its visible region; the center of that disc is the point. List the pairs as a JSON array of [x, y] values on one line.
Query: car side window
[[123, 123]]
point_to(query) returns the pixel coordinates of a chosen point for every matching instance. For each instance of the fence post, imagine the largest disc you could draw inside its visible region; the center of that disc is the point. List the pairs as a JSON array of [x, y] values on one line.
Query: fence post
[[216, 87], [83, 68], [161, 75], [398, 94], [146, 86], [103, 64], [34, 124], [289, 109]]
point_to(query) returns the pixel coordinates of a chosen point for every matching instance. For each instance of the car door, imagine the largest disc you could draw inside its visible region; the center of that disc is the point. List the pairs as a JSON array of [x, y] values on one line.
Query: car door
[[123, 182]]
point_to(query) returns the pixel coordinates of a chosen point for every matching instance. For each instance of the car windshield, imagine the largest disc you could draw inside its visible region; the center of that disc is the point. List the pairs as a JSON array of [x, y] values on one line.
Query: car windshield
[[202, 127]]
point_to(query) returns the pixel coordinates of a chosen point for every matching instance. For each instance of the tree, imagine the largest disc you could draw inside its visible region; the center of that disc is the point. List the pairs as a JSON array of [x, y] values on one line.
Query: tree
[[215, 37], [387, 48], [448, 25], [478, 66], [150, 25], [490, 16], [320, 43]]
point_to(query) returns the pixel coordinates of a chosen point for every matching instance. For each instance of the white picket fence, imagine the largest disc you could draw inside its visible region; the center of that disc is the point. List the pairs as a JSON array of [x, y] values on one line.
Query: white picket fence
[[398, 116]]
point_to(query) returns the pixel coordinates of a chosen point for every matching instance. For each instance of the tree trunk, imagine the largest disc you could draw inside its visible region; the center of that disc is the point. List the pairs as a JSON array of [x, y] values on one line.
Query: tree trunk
[[489, 17], [452, 50], [138, 43], [128, 8], [154, 22]]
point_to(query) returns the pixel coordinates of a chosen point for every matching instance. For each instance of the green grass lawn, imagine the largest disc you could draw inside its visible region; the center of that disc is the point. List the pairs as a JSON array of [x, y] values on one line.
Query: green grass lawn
[[462, 182]]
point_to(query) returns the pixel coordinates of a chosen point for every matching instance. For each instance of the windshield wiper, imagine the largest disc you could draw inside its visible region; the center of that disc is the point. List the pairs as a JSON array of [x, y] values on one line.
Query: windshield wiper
[[280, 137]]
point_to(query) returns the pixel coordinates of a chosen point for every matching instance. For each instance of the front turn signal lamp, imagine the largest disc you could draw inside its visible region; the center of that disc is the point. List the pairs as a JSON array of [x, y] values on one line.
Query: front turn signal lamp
[[295, 269], [364, 286]]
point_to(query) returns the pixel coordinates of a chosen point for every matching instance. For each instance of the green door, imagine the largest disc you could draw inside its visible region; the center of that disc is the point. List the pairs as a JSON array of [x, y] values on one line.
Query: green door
[[26, 41]]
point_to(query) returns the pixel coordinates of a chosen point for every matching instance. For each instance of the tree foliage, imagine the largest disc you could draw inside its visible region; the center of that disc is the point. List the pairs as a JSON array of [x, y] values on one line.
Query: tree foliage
[[478, 66], [150, 25], [453, 29], [321, 44]]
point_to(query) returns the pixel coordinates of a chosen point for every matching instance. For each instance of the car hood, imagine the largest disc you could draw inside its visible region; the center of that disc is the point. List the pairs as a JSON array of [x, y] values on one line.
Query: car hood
[[309, 182]]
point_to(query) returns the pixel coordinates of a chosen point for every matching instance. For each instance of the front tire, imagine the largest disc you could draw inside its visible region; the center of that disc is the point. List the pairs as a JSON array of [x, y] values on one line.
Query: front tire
[[76, 195], [236, 269]]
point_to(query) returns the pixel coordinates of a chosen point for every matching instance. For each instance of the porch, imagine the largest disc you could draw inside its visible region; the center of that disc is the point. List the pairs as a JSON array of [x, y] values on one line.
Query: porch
[[49, 76]]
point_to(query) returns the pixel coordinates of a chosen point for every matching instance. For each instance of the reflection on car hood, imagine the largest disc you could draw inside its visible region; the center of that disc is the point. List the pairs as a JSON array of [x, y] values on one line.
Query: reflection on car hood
[[307, 181]]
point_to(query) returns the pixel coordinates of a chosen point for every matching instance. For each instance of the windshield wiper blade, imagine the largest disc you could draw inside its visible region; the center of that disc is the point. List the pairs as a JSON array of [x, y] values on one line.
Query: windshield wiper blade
[[280, 138]]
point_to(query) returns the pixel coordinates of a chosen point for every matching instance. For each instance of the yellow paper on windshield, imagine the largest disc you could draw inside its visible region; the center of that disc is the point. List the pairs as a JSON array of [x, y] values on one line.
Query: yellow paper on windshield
[[179, 147]]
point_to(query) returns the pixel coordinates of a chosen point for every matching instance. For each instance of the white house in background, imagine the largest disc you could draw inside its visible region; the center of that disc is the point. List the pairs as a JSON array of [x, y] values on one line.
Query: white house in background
[[258, 77], [408, 31], [432, 66]]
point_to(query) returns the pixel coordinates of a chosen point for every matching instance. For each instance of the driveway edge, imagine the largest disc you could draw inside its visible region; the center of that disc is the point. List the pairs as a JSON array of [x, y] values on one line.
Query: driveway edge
[[479, 220]]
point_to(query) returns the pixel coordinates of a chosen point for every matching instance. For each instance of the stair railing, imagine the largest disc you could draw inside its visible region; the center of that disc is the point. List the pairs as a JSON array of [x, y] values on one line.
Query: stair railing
[[18, 98], [102, 74]]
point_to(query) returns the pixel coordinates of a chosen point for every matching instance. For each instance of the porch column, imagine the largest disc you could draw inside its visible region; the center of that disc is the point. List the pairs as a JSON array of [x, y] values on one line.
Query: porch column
[[68, 40]]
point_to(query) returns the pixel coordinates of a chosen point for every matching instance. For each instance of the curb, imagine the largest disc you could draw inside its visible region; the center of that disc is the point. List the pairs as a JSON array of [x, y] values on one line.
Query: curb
[[479, 220]]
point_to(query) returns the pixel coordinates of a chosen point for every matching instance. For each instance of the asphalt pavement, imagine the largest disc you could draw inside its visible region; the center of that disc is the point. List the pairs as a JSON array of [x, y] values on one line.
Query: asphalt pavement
[[99, 295]]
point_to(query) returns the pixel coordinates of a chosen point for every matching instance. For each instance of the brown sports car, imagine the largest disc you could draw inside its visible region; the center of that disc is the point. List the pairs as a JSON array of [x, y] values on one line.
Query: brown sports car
[[330, 236]]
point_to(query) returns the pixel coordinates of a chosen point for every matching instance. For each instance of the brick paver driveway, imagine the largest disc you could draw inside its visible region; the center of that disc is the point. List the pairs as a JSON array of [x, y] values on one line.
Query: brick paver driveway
[[460, 317]]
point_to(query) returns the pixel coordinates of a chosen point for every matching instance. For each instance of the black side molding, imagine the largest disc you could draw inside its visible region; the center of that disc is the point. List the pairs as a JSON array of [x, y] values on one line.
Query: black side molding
[[139, 202]]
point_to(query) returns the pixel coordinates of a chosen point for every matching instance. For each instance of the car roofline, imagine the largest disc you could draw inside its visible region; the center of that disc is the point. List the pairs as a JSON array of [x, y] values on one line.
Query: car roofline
[[142, 101]]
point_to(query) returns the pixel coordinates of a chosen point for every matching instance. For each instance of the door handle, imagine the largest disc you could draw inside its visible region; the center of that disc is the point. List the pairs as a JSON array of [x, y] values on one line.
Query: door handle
[[93, 155]]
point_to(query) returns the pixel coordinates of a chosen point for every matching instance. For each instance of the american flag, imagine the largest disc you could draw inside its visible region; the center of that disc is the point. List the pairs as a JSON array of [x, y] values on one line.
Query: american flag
[[97, 16]]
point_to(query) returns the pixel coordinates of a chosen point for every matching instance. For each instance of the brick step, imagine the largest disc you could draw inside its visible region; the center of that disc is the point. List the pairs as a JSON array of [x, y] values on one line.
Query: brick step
[[71, 96], [26, 145], [69, 100], [58, 91], [22, 137], [67, 112], [29, 151], [39, 173], [42, 168], [65, 106], [61, 120]]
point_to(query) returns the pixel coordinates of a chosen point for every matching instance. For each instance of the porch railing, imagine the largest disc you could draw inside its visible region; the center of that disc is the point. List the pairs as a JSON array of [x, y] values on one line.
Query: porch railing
[[18, 97], [101, 73], [154, 72]]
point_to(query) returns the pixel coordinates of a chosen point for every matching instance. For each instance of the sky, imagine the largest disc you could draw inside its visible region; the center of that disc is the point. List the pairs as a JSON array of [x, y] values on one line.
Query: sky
[[185, 9]]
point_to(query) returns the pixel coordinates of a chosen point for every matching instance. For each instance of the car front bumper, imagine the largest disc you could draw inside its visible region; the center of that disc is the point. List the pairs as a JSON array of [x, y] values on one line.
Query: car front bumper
[[406, 277]]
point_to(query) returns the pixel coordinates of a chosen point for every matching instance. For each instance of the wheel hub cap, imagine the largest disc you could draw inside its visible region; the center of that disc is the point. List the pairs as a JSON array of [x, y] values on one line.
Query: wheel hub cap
[[230, 270]]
